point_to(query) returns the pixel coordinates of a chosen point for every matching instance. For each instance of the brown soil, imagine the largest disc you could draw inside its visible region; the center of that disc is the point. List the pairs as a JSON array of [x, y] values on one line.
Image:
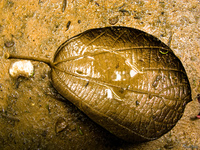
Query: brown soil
[[32, 113]]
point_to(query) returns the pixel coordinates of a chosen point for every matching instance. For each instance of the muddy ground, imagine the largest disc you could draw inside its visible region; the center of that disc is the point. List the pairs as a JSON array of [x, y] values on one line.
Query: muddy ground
[[32, 113]]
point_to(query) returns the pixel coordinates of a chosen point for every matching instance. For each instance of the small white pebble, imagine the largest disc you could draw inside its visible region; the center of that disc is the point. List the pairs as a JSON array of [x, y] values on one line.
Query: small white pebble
[[21, 68]]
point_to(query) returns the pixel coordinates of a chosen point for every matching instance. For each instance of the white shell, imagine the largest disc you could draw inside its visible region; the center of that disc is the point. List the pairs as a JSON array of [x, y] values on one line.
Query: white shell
[[21, 68]]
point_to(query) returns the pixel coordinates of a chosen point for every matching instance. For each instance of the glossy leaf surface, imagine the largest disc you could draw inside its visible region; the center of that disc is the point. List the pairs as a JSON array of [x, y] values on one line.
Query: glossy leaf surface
[[124, 79]]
